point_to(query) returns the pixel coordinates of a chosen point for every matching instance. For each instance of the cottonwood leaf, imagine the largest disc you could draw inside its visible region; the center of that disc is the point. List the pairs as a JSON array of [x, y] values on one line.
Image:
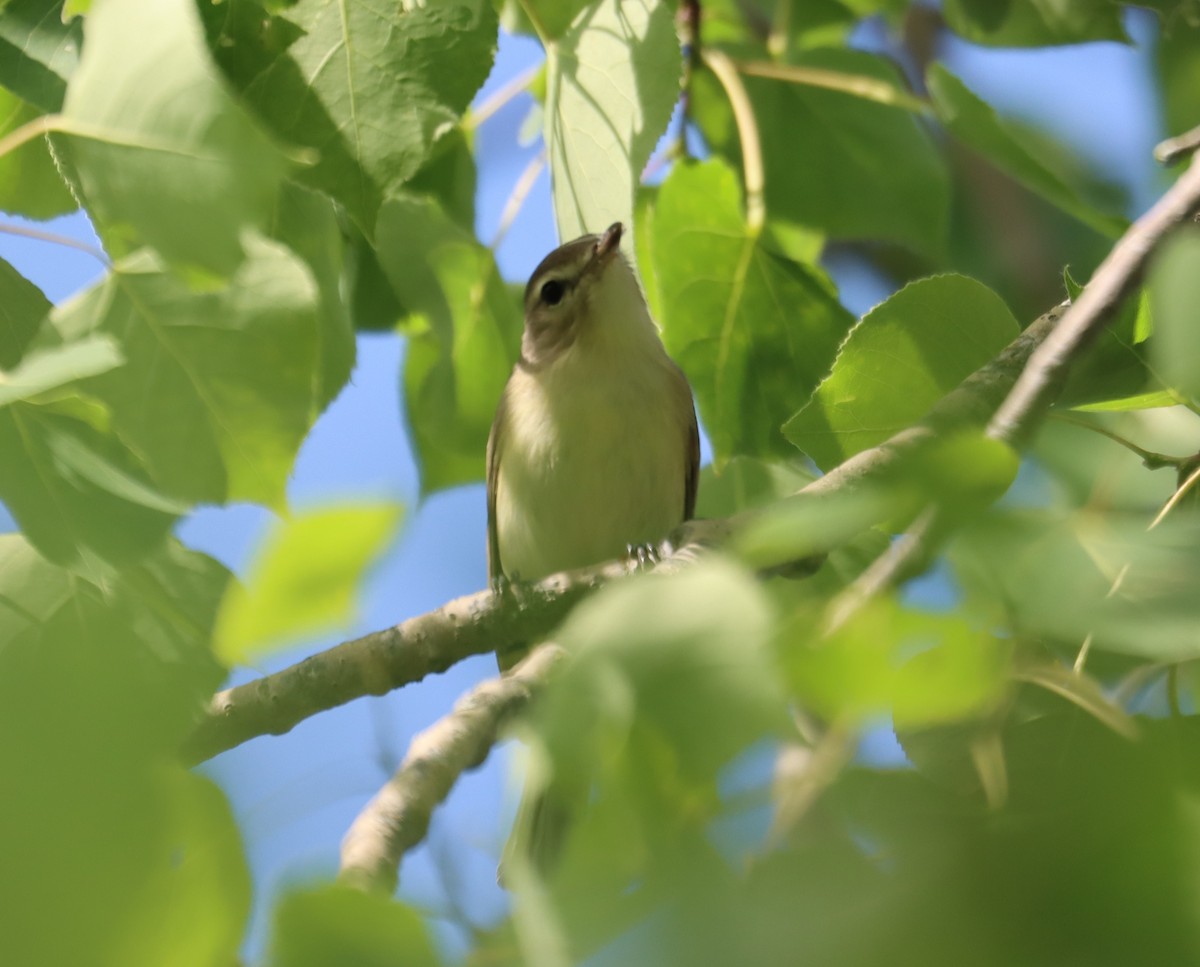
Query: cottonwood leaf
[[220, 386], [1034, 23], [372, 87], [612, 80], [464, 331], [38, 51], [30, 183], [898, 360], [158, 148], [22, 309], [754, 331]]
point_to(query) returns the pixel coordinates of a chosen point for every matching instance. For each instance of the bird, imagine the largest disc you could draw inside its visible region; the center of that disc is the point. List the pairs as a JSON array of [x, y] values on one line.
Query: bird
[[594, 451]]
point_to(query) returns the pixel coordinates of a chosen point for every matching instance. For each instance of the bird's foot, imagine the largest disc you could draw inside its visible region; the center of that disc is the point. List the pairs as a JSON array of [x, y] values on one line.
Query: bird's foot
[[642, 556]]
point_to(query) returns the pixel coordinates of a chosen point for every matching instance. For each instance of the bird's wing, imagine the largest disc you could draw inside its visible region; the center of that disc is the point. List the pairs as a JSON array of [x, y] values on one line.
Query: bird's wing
[[495, 441]]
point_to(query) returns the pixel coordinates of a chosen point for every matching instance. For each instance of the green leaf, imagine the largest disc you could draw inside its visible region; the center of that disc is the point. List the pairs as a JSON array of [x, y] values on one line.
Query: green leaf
[[861, 170], [72, 486], [233, 372], [1035, 23], [1175, 294], [303, 579], [51, 368], [976, 124], [160, 152], [337, 924], [371, 88], [670, 677], [744, 483], [307, 222], [22, 309], [900, 359], [30, 184], [38, 52], [612, 81], [551, 18], [1143, 401], [925, 669], [464, 341], [155, 860], [753, 331]]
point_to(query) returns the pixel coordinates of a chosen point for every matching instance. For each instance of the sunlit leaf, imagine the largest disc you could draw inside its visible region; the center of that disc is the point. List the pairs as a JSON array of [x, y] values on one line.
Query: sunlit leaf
[[899, 360], [233, 371], [612, 80], [303, 579], [754, 331], [50, 368], [371, 88], [160, 151]]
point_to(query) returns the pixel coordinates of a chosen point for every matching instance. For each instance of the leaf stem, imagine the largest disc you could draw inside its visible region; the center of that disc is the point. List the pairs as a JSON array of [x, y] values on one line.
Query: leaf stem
[[1180, 492], [743, 112], [1171, 150], [28, 131], [857, 85]]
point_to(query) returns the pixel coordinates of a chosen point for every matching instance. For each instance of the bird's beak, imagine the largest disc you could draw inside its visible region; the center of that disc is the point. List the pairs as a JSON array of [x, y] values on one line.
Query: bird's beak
[[609, 242]]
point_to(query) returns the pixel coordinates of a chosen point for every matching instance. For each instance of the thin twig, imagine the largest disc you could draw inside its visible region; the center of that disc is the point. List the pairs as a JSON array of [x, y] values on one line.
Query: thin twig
[[1180, 492], [687, 21], [7, 228], [856, 85], [1169, 151], [1151, 460], [396, 819], [747, 125], [518, 195], [500, 98]]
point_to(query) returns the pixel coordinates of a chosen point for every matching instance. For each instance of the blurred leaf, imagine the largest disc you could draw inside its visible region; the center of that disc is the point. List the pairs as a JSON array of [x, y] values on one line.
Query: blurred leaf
[[232, 371], [976, 124], [862, 170], [810, 24], [1114, 373], [22, 309], [455, 369], [1175, 293], [449, 177], [38, 52], [898, 360], [1035, 23], [307, 222], [612, 82], [72, 486], [161, 153], [753, 331], [372, 89], [1143, 401], [303, 579], [1177, 56], [154, 859], [1063, 577], [671, 677], [744, 483], [51, 368], [921, 667], [337, 924], [30, 184]]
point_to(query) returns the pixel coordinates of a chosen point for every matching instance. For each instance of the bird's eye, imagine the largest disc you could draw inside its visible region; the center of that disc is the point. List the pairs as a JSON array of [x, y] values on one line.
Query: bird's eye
[[552, 292]]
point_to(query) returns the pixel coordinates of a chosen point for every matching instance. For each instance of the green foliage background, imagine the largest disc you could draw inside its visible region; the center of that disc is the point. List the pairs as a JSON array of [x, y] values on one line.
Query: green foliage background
[[269, 176]]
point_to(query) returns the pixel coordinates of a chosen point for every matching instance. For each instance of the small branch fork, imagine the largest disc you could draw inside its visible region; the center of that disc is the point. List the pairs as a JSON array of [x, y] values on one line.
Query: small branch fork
[[396, 819]]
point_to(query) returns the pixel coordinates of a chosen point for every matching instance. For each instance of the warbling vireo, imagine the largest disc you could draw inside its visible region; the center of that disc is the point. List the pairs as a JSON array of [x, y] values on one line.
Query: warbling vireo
[[594, 449]]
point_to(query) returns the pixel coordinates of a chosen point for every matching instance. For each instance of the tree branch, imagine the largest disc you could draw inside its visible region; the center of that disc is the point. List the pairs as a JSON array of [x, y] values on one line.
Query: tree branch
[[396, 819], [1040, 380], [489, 621]]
